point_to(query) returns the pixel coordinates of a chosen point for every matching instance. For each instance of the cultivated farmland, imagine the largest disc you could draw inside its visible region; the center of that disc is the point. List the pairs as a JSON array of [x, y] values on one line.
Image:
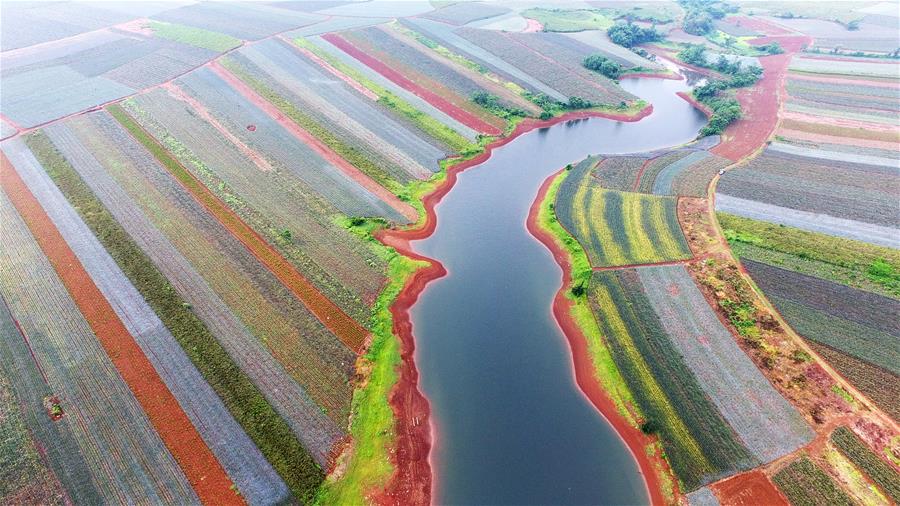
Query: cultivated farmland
[[98, 409], [569, 81], [238, 455], [212, 285], [766, 423], [879, 471], [700, 445], [805, 484], [619, 228]]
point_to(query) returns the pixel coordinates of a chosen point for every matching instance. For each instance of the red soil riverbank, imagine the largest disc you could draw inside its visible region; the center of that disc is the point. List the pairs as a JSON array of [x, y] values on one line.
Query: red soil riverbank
[[412, 480], [581, 358]]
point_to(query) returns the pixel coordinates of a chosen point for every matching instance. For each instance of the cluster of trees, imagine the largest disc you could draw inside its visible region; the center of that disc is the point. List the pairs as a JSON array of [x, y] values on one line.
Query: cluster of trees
[[551, 106], [629, 34], [603, 65], [725, 109], [700, 15]]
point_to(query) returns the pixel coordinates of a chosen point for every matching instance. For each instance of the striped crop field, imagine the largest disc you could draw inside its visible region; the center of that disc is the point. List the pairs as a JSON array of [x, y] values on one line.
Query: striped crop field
[[399, 101], [447, 36], [193, 455], [763, 420], [463, 14], [620, 172], [339, 108], [619, 228], [243, 400], [27, 476], [99, 410], [805, 484], [699, 444], [339, 265], [840, 189], [243, 21], [238, 455], [252, 315], [442, 85], [350, 332], [282, 149], [880, 472], [856, 264], [535, 54], [859, 323]]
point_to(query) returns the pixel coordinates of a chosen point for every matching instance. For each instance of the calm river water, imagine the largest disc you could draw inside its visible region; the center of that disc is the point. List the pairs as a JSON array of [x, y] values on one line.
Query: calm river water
[[511, 425]]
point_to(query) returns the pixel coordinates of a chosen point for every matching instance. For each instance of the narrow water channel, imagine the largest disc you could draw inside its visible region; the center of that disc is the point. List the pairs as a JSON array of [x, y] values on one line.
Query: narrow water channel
[[511, 425]]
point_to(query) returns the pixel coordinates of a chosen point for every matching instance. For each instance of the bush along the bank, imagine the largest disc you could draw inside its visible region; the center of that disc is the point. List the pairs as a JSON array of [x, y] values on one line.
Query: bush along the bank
[[492, 103], [603, 65], [700, 15], [629, 34], [725, 109]]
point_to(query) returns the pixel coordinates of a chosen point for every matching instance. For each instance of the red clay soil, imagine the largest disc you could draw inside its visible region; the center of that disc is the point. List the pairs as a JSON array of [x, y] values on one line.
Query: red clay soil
[[315, 144], [699, 106], [748, 489], [760, 103], [533, 26], [348, 330], [412, 480], [198, 463], [397, 78]]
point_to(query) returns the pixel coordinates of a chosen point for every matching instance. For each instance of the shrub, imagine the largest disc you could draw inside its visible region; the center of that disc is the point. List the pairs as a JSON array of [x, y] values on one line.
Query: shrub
[[603, 65], [629, 34]]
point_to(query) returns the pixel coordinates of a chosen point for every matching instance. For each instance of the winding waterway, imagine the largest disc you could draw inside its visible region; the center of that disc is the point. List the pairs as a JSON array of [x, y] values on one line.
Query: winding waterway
[[511, 425]]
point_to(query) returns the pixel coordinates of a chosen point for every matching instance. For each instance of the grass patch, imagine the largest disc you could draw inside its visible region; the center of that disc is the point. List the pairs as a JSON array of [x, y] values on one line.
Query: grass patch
[[852, 263], [569, 20], [214, 41], [244, 401]]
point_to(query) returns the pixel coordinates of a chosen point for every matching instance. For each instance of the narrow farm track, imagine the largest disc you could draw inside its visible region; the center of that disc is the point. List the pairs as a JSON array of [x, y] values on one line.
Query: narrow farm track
[[198, 463], [760, 103], [434, 99], [351, 333], [406, 210]]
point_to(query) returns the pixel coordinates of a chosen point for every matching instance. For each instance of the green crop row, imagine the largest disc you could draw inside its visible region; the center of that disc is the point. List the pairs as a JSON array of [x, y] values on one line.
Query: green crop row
[[621, 228], [430, 126], [244, 401], [852, 263], [193, 36], [805, 484], [865, 459], [699, 443]]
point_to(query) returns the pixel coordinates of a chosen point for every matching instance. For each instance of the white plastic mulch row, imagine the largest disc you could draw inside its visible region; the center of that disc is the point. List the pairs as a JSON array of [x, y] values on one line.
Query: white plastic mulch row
[[814, 222]]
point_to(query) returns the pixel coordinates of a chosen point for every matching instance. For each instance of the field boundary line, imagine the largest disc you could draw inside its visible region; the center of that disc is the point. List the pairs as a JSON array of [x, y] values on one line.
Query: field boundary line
[[308, 139], [196, 460], [348, 330], [437, 101]]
